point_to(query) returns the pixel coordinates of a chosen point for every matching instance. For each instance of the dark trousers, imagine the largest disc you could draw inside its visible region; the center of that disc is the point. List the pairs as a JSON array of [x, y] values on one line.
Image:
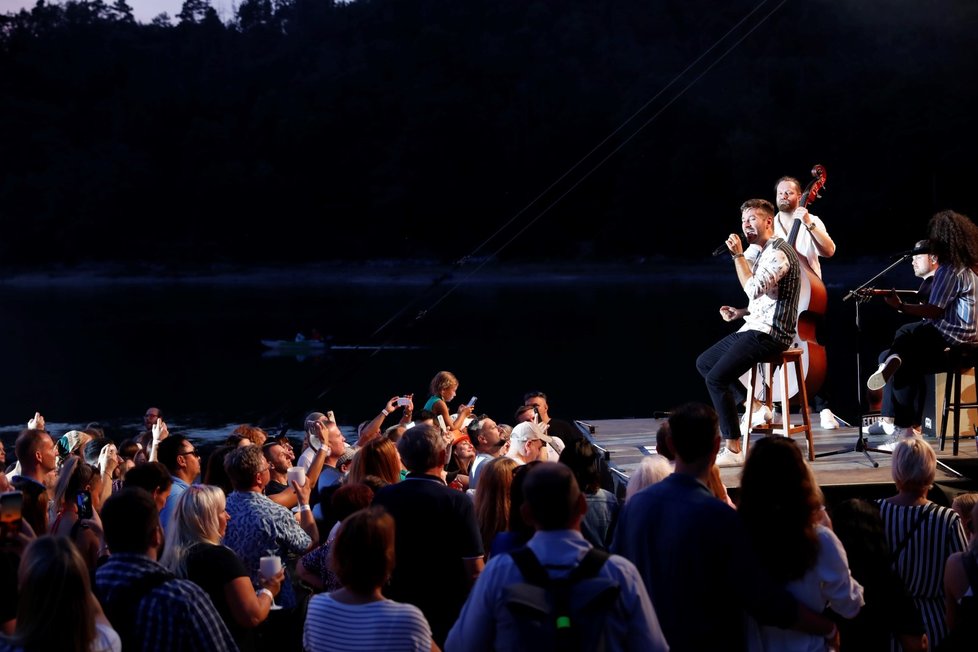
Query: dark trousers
[[724, 363], [921, 349]]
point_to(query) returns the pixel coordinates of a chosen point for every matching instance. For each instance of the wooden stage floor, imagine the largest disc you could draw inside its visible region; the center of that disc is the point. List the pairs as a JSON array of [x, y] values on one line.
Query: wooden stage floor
[[629, 440]]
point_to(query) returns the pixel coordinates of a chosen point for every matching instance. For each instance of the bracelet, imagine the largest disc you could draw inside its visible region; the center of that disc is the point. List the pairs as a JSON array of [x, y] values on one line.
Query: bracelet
[[384, 411], [810, 226], [736, 256], [305, 508], [264, 591]]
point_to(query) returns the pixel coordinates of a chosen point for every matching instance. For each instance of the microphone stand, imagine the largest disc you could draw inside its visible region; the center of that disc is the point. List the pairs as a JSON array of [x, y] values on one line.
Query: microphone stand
[[861, 445]]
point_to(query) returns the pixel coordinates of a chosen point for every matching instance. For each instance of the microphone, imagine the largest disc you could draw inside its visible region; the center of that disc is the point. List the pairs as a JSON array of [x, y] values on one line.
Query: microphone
[[722, 249]]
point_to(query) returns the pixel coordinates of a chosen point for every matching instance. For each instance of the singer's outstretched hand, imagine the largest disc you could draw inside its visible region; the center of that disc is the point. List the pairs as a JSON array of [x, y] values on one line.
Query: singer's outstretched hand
[[729, 313]]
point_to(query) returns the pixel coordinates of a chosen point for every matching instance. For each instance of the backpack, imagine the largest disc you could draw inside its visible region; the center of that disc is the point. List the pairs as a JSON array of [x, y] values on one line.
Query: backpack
[[564, 614]]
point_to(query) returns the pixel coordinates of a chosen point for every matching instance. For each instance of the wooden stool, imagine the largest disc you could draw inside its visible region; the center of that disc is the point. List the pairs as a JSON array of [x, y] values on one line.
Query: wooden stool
[[961, 358], [786, 429]]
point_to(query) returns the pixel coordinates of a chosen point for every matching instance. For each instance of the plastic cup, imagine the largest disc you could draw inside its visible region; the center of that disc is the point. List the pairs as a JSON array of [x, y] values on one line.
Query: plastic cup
[[269, 566], [296, 473]]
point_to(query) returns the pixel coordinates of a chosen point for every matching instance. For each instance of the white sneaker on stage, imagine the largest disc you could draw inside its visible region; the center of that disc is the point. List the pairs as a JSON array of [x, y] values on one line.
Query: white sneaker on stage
[[880, 377], [727, 457], [892, 441], [828, 419]]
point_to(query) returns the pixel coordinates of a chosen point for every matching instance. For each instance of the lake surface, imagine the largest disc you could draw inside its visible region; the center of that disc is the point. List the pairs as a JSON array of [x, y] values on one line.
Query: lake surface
[[602, 341]]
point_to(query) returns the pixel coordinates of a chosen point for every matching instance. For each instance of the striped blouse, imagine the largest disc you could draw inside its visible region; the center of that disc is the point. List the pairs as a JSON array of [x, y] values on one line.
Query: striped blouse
[[382, 626], [920, 563]]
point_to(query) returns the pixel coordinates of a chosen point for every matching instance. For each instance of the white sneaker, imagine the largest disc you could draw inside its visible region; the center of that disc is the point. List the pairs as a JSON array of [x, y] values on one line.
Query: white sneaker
[[828, 419], [761, 416], [886, 370], [891, 442], [879, 428], [727, 457]]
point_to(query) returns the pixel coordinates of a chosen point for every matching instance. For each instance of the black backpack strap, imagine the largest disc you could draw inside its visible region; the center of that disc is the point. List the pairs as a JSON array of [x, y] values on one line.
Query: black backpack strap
[[530, 568], [590, 565]]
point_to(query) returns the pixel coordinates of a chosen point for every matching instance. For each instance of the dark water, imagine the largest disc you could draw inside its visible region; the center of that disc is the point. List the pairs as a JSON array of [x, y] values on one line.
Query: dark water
[[603, 342]]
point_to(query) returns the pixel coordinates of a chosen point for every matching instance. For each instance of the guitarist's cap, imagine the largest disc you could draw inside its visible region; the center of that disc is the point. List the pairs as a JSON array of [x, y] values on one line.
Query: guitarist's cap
[[922, 247]]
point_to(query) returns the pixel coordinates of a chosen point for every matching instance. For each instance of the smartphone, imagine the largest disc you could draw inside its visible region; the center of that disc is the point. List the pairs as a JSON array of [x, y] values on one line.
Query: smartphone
[[472, 401], [403, 400], [441, 422], [331, 416], [11, 503], [84, 501]]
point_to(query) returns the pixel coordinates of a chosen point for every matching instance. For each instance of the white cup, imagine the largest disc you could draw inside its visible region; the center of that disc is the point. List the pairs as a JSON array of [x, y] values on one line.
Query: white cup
[[297, 473], [269, 566]]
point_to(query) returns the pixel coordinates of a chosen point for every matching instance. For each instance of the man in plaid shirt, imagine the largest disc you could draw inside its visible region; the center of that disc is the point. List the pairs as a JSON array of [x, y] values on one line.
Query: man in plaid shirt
[[149, 607]]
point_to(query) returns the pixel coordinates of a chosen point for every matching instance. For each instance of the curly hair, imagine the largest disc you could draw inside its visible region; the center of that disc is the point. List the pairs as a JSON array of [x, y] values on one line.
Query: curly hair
[[780, 505], [954, 239]]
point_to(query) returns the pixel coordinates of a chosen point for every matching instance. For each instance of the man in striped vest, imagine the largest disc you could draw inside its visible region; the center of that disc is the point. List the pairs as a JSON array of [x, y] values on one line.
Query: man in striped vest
[[769, 276]]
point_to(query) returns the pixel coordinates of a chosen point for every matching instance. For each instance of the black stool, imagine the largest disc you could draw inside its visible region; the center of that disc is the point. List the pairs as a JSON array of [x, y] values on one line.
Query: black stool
[[960, 358]]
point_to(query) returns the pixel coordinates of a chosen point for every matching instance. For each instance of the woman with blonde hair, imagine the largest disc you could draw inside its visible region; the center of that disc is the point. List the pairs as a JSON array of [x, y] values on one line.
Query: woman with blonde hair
[[652, 469], [193, 551], [57, 609], [492, 501], [921, 534]]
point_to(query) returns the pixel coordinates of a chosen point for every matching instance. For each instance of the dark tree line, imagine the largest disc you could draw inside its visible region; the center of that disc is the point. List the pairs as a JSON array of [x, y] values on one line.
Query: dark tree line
[[307, 130]]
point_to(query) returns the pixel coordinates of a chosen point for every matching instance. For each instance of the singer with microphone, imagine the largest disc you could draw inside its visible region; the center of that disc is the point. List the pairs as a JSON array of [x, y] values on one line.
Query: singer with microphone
[[770, 279]]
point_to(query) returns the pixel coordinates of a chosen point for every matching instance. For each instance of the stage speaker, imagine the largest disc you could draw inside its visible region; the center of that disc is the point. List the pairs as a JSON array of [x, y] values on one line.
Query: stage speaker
[[934, 403]]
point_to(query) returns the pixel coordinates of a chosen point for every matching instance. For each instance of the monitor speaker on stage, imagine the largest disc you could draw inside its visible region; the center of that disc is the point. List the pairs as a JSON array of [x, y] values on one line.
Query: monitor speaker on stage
[[934, 403]]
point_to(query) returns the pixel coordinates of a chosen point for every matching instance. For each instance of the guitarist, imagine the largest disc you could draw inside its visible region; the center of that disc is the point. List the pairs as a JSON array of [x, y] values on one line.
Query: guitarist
[[812, 242]]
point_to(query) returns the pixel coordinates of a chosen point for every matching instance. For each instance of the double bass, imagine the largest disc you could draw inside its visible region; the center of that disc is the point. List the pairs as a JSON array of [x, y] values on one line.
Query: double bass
[[812, 302]]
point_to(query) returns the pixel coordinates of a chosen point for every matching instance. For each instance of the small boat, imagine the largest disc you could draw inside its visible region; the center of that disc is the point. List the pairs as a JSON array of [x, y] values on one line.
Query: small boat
[[296, 346]]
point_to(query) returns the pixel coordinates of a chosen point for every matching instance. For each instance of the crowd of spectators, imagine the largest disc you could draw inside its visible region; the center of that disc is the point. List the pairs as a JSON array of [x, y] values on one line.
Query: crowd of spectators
[[418, 536]]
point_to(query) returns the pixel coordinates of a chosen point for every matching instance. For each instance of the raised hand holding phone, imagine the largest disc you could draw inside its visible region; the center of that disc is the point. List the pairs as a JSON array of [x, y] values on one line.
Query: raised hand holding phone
[[84, 502], [160, 431], [36, 423]]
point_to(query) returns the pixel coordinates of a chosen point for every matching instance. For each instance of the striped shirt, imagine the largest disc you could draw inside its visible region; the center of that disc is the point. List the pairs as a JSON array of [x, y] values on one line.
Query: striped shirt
[[920, 562], [956, 291], [383, 626], [773, 290]]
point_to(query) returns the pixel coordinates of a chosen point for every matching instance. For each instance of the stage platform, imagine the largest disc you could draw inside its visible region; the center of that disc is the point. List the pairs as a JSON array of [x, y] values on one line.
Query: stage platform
[[844, 475]]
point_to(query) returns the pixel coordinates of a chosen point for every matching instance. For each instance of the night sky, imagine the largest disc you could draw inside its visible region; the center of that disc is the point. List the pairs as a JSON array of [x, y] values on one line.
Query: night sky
[[428, 129]]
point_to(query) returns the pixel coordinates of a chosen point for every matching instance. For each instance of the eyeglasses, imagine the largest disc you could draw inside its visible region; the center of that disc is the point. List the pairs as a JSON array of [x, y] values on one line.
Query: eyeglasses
[[192, 451]]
